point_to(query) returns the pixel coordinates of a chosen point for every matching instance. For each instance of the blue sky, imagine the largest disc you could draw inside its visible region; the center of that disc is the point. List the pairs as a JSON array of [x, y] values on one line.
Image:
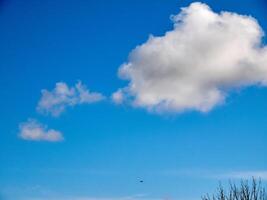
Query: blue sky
[[100, 148]]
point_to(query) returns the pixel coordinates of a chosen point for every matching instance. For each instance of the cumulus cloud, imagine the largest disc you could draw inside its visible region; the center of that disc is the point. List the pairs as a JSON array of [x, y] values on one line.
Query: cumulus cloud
[[33, 130], [55, 102], [195, 65]]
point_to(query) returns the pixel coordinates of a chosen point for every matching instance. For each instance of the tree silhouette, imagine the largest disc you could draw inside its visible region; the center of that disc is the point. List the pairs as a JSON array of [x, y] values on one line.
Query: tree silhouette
[[244, 191]]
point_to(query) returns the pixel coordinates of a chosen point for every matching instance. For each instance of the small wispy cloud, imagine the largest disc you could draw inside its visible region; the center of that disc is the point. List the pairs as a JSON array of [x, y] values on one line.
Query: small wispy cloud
[[55, 102], [118, 96], [35, 131]]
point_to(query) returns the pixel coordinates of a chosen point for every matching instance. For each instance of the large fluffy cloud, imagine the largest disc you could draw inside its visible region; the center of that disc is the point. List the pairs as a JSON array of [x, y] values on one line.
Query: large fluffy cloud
[[55, 102], [193, 66], [34, 130]]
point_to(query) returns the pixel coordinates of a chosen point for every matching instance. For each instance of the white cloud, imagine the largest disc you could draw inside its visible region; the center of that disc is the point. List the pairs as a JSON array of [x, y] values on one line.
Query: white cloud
[[55, 102], [193, 66], [33, 130]]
